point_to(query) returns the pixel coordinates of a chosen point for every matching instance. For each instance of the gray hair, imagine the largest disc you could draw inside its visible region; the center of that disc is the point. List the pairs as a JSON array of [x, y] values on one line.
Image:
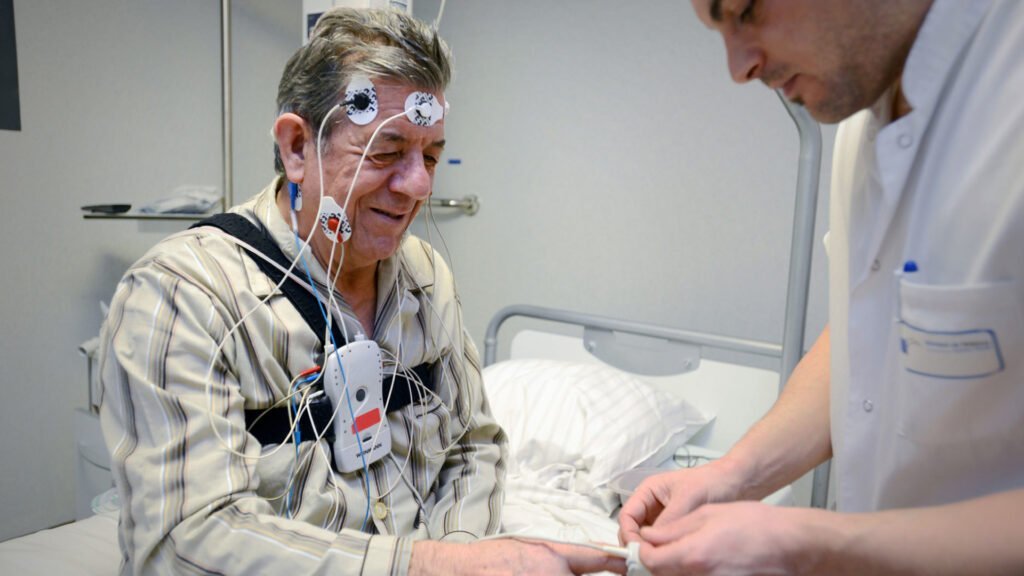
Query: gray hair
[[347, 42]]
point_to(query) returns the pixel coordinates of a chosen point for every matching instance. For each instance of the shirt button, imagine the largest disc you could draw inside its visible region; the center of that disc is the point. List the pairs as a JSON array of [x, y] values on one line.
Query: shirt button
[[875, 266], [380, 510], [868, 406], [905, 140]]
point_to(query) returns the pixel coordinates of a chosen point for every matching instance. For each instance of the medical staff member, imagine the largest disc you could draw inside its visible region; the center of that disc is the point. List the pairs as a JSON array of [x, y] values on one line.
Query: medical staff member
[[916, 389]]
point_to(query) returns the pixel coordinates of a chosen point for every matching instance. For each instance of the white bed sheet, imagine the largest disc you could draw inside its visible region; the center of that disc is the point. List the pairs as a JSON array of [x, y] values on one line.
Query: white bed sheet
[[87, 547], [535, 508]]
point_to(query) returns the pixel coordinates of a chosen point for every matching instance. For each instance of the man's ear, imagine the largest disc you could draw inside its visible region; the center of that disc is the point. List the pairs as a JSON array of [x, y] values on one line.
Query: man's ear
[[291, 134]]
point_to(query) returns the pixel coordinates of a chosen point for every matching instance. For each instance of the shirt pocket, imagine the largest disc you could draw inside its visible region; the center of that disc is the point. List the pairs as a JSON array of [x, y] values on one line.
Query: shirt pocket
[[959, 368]]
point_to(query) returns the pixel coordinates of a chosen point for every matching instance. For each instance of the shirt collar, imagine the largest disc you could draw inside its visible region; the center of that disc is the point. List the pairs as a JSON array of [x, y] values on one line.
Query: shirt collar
[[944, 34]]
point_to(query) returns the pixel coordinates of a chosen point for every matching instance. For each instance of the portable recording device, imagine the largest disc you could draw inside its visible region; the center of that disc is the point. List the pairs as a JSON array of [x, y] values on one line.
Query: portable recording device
[[368, 433]]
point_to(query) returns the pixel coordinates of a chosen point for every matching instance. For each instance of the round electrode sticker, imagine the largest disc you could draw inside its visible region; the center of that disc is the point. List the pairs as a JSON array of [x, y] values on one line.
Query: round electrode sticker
[[423, 109], [362, 98], [333, 221]]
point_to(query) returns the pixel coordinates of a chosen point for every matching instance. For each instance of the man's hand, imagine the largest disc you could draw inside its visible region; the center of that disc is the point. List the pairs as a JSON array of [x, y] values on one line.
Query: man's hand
[[734, 538], [509, 556], [664, 498]]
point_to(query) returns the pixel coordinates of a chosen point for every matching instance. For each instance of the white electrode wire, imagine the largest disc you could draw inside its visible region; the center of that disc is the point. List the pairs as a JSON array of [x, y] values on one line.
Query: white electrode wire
[[220, 345], [227, 446], [352, 184], [337, 237], [455, 289], [451, 269], [331, 305], [348, 196], [332, 519], [415, 496], [440, 13], [287, 273], [398, 356], [332, 300], [369, 144], [411, 429], [448, 378]]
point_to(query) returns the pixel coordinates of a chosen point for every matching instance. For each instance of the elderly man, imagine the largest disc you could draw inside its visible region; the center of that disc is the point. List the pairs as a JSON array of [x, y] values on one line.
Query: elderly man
[[917, 388], [206, 340]]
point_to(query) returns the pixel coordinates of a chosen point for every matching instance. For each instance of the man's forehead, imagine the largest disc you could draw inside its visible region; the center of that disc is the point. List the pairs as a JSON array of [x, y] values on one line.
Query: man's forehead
[[401, 89]]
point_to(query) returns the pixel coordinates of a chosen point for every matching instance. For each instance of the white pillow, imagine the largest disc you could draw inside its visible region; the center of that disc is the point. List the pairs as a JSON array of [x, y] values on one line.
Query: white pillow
[[590, 417]]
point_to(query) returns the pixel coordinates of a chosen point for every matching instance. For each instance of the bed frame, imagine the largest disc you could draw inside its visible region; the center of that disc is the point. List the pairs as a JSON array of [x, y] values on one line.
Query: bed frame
[[680, 352]]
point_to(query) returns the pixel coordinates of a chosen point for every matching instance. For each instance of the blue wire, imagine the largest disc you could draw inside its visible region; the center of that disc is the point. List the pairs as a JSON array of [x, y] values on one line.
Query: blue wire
[[297, 434], [344, 379]]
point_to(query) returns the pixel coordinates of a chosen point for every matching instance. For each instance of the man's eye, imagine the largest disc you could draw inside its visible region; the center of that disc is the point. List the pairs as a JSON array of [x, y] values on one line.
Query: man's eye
[[430, 161], [748, 13], [385, 157]]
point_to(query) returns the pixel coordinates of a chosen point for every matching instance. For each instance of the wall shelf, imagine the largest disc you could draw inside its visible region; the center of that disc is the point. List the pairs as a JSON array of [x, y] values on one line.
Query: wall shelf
[[142, 216]]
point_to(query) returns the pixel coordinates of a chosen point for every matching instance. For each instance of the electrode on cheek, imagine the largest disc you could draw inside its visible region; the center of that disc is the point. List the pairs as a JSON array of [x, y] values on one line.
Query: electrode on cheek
[[334, 221]]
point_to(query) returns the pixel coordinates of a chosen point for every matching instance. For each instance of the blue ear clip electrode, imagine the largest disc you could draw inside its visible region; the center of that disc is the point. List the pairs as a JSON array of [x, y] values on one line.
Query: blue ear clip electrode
[[295, 195]]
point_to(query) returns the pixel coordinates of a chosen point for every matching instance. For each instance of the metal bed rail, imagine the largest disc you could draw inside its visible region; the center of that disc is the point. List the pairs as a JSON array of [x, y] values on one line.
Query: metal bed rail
[[470, 204], [593, 322]]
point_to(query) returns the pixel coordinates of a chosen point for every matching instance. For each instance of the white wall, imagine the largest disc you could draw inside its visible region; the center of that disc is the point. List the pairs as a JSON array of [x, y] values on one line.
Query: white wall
[[120, 102], [619, 170]]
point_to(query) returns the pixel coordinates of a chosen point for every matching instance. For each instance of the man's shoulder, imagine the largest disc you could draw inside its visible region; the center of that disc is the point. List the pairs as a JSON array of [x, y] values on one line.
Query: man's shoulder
[[190, 255]]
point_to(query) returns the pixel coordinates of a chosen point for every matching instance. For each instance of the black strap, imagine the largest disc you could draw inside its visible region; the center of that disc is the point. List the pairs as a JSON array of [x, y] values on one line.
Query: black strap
[[271, 426], [240, 227]]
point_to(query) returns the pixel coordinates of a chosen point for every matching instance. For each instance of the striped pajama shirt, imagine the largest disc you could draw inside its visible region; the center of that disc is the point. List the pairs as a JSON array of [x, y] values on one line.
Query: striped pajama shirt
[[177, 380]]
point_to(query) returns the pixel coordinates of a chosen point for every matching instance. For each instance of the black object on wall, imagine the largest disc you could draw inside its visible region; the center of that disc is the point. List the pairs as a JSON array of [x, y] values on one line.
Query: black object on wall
[[10, 106]]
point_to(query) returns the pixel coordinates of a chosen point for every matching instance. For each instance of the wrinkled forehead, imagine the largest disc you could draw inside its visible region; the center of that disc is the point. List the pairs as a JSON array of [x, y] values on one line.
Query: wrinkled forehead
[[398, 90]]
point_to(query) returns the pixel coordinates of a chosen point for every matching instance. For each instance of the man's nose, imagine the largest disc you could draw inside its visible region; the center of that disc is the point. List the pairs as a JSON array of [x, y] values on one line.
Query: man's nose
[[746, 61], [412, 178]]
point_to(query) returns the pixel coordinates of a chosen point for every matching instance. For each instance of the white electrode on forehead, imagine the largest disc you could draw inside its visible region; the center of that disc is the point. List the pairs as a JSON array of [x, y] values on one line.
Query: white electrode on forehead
[[361, 96], [423, 109], [334, 221]]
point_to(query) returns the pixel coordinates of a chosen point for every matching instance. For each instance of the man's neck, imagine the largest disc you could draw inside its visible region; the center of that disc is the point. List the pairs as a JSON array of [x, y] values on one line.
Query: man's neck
[[356, 284]]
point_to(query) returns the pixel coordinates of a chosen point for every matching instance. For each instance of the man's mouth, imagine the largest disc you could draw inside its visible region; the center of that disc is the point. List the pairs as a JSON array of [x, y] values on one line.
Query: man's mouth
[[396, 216]]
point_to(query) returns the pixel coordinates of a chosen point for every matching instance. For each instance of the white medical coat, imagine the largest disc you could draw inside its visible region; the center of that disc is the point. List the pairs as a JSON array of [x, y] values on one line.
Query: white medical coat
[[928, 366]]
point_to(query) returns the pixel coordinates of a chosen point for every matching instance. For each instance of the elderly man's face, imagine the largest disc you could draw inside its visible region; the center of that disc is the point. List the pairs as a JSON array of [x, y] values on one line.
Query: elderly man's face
[[833, 56], [393, 182]]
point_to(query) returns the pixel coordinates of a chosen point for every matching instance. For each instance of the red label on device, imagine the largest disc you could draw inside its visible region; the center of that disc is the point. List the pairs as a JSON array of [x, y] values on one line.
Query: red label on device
[[366, 419]]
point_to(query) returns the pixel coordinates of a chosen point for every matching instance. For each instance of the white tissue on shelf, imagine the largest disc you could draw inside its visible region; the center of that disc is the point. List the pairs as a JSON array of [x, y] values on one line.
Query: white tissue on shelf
[[189, 199]]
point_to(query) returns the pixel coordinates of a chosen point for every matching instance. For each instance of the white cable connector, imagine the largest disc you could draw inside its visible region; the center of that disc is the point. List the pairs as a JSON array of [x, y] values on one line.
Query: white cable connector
[[631, 554], [633, 565]]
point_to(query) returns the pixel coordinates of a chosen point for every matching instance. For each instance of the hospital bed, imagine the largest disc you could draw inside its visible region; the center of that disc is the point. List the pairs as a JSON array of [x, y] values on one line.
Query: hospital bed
[[593, 404]]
